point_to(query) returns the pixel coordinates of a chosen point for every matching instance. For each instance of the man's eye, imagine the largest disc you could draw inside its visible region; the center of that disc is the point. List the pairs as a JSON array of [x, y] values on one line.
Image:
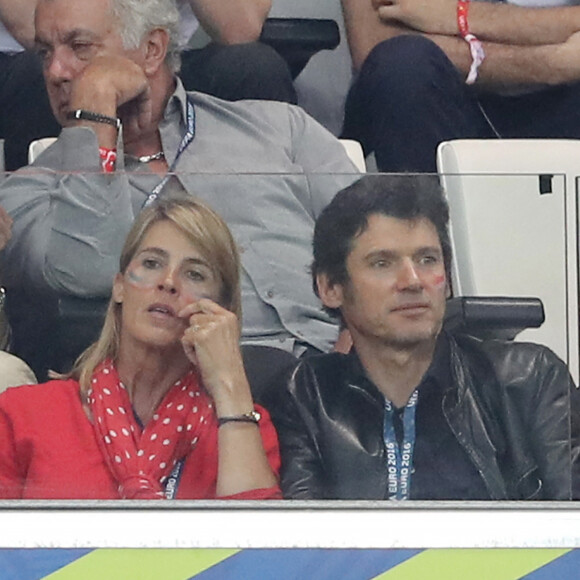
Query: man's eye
[[42, 53], [380, 264], [82, 49], [429, 260]]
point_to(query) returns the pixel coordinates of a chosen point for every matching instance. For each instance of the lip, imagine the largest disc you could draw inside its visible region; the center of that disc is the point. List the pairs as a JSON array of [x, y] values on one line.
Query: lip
[[160, 309], [412, 308]]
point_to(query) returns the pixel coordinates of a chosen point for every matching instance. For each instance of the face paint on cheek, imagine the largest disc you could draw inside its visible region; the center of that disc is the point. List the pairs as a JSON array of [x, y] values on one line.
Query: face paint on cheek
[[438, 281], [141, 277]]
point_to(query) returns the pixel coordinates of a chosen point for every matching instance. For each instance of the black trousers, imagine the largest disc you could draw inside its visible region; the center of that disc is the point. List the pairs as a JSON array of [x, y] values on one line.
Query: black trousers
[[25, 113], [241, 71], [408, 97]]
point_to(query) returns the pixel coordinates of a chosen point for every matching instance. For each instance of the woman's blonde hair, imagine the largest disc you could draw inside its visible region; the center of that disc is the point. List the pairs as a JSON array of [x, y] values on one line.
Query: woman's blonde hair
[[211, 237]]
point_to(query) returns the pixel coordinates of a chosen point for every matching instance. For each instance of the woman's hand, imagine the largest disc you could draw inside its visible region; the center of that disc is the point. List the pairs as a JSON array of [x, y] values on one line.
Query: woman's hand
[[211, 342]]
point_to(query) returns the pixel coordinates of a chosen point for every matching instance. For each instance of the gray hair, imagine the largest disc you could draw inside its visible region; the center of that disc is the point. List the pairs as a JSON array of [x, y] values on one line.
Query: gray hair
[[138, 17]]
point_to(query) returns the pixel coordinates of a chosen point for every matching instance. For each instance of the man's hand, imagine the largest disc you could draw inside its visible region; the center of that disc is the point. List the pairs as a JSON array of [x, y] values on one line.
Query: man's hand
[[114, 86], [429, 16], [5, 227]]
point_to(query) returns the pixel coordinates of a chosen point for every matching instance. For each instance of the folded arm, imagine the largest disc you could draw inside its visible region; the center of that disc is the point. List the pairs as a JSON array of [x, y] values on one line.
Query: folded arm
[[232, 22], [502, 23], [554, 426], [302, 474], [69, 219], [18, 17], [522, 45]]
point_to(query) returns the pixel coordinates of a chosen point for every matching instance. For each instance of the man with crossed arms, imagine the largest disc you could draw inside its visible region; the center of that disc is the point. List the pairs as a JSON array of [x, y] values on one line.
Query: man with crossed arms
[[432, 71]]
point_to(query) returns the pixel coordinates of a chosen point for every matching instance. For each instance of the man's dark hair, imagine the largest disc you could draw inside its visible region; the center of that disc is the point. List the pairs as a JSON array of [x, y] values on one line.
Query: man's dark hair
[[406, 197]]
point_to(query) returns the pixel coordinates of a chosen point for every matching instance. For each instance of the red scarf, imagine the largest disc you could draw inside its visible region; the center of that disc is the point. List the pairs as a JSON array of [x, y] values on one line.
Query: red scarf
[[141, 460]]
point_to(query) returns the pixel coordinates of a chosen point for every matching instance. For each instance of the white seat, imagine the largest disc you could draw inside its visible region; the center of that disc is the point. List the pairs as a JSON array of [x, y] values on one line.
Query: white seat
[[513, 228], [355, 151], [38, 146]]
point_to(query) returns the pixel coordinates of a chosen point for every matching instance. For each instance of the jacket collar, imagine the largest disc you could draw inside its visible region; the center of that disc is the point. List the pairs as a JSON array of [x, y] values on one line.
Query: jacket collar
[[438, 374]]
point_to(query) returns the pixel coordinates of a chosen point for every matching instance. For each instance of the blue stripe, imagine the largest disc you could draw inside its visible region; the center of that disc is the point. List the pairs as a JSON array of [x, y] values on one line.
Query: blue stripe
[[297, 564], [34, 563], [563, 568]]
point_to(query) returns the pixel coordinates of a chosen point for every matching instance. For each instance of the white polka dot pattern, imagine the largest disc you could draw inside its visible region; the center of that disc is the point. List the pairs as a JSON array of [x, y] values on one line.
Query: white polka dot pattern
[[140, 461]]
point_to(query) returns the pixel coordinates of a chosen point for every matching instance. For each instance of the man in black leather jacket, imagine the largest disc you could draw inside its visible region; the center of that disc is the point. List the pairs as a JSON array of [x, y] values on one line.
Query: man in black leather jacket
[[413, 412]]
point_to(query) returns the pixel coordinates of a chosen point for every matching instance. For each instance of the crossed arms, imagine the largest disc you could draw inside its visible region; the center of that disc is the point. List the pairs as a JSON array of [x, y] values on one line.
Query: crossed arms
[[230, 22], [522, 45]]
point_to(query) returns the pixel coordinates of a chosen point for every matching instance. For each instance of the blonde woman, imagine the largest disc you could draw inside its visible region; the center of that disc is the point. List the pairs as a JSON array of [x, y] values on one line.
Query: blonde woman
[[159, 406]]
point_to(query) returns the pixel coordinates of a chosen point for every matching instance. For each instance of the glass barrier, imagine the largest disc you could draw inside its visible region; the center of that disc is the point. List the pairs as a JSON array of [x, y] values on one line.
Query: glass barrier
[[513, 235]]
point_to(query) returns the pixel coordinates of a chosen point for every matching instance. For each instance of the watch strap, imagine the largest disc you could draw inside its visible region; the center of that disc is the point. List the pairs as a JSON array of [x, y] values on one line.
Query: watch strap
[[84, 115], [251, 417]]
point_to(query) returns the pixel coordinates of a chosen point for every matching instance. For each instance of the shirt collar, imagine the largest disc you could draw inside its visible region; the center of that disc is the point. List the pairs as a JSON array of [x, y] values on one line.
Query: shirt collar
[[438, 374], [177, 102]]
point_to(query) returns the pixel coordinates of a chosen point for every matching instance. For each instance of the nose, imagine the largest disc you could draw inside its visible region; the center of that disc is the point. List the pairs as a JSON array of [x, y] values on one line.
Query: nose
[[408, 276], [59, 66], [168, 282]]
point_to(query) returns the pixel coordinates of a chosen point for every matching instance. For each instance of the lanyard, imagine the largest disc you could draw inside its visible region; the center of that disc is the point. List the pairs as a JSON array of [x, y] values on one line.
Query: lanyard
[[174, 477], [400, 458], [172, 482], [185, 141]]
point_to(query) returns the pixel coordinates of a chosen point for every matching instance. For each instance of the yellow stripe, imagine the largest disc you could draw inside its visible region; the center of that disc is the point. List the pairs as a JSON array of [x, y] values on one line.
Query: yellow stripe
[[141, 564], [471, 564]]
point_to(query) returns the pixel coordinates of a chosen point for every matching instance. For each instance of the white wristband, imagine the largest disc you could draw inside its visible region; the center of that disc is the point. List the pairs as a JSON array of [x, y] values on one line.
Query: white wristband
[[477, 57]]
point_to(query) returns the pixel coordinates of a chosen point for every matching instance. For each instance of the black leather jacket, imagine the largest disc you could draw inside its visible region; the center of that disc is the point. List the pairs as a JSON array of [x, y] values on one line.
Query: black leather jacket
[[513, 408]]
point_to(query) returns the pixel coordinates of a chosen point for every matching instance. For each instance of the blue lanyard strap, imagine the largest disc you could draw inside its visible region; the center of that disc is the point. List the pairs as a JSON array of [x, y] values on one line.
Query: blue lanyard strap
[[400, 457], [185, 141], [172, 482]]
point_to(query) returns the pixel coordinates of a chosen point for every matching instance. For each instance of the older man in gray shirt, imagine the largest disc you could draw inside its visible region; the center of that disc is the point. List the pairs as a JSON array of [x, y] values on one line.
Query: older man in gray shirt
[[132, 134]]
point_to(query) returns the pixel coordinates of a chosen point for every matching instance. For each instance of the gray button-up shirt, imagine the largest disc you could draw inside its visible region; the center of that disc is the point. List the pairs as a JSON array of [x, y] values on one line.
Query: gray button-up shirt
[[267, 168]]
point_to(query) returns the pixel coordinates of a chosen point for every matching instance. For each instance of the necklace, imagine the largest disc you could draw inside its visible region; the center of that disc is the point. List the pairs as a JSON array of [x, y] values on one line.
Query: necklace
[[154, 157]]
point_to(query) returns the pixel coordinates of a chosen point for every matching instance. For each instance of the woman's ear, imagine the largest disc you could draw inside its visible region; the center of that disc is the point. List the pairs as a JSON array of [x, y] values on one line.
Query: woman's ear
[[331, 293], [118, 288]]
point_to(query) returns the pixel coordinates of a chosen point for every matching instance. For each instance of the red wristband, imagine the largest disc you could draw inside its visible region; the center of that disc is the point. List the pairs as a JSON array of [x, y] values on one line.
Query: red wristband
[[108, 159], [475, 46], [462, 12]]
